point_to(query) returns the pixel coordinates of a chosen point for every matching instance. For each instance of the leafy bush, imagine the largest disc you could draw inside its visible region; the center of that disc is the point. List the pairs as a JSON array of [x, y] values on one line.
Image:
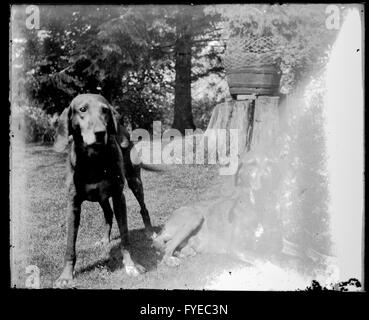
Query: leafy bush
[[141, 99], [38, 126]]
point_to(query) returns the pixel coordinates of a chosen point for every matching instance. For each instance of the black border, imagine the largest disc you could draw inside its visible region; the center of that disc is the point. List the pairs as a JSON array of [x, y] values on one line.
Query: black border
[[127, 302]]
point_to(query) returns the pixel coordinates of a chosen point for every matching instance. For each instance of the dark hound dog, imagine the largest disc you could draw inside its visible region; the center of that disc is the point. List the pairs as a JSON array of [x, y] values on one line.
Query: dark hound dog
[[99, 161]]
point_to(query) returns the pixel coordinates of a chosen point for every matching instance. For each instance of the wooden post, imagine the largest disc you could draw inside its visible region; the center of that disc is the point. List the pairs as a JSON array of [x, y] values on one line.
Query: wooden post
[[266, 122]]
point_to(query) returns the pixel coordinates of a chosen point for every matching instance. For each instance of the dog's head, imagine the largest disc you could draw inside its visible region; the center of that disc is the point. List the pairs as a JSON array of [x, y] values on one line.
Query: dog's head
[[251, 173], [90, 119]]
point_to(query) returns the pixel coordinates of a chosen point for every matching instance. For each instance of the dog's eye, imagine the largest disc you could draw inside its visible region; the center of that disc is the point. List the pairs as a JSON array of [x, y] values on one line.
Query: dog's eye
[[83, 109]]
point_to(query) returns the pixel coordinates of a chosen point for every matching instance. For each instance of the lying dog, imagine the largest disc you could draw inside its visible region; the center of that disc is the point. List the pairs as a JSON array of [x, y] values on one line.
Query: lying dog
[[228, 223], [99, 161]]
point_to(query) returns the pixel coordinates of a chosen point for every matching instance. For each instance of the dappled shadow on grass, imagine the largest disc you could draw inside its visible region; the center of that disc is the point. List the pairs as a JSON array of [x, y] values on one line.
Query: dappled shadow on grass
[[51, 165], [140, 249], [60, 161], [40, 149], [47, 151]]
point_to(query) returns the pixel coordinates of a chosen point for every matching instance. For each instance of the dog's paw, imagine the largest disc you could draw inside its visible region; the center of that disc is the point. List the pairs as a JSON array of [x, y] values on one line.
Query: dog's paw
[[172, 261], [150, 233], [65, 280], [64, 283], [187, 252], [134, 270], [158, 244]]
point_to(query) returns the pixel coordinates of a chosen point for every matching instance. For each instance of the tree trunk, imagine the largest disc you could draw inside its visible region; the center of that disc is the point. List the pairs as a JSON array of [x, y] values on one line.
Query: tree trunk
[[182, 104], [232, 115]]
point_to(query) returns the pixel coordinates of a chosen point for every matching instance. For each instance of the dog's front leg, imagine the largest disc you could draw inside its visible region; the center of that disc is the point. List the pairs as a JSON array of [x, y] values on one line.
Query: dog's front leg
[[73, 220], [120, 212], [108, 217]]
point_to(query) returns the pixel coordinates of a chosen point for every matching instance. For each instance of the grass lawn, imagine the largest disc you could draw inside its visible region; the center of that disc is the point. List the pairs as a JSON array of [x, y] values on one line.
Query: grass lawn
[[38, 226]]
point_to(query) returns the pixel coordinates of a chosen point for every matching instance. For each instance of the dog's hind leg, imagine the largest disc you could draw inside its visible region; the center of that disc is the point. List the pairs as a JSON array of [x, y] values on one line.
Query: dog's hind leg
[[108, 217], [134, 181]]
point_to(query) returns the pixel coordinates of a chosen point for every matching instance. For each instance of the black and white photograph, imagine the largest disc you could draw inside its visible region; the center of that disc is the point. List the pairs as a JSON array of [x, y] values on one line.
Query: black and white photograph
[[215, 147]]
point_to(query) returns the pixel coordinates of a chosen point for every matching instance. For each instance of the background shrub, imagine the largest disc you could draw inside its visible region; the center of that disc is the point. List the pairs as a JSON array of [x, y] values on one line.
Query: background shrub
[[38, 126]]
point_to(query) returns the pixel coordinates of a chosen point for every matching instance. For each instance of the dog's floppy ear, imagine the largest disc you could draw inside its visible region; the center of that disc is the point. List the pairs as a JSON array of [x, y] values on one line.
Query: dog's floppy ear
[[114, 127], [112, 123], [63, 131]]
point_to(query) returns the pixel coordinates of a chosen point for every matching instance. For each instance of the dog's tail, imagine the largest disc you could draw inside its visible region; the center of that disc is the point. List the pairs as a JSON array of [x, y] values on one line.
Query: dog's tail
[[150, 167]]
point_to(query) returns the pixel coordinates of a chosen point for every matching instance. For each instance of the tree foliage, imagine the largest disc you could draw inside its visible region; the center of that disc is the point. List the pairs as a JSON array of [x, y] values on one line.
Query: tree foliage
[[128, 53]]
